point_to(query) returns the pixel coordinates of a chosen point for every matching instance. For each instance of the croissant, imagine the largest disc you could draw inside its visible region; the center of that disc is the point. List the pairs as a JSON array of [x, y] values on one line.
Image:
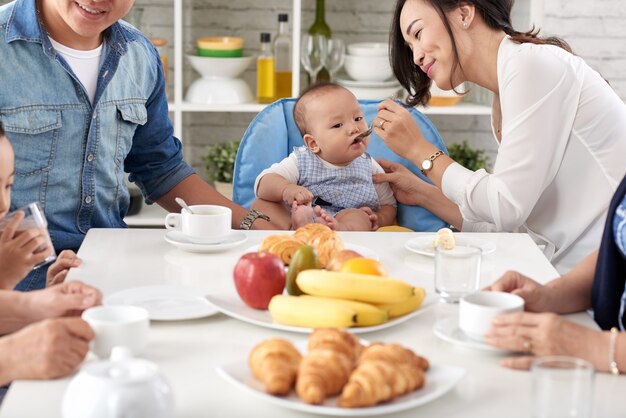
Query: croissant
[[270, 240], [326, 368], [383, 374], [285, 248], [307, 232], [327, 244], [275, 362]]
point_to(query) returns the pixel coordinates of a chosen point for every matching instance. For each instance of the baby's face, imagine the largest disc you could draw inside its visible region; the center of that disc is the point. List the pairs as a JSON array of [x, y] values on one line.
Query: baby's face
[[334, 120], [7, 172]]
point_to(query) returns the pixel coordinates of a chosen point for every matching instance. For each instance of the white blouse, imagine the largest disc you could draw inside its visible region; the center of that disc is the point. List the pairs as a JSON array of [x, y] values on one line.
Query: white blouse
[[561, 157]]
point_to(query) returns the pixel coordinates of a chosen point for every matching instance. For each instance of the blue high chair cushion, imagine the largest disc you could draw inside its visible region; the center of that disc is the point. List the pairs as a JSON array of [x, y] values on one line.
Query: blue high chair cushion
[[273, 133]]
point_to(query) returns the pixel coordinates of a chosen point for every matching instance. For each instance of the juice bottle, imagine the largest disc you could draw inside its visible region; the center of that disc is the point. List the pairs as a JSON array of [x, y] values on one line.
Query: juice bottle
[[265, 79], [282, 57]]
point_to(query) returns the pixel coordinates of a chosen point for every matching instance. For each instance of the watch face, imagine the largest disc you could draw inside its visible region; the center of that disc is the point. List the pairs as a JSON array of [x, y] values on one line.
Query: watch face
[[427, 165]]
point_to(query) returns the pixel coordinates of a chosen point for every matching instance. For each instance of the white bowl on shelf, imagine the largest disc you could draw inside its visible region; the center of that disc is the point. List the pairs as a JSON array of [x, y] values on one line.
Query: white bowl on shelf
[[371, 90], [368, 49], [220, 67], [368, 68]]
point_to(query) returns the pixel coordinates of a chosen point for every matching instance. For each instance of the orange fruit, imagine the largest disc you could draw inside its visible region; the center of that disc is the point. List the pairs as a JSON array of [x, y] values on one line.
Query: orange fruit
[[363, 266]]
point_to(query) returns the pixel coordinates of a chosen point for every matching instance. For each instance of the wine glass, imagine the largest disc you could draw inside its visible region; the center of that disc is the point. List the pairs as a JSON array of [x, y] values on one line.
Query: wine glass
[[334, 57], [313, 53]]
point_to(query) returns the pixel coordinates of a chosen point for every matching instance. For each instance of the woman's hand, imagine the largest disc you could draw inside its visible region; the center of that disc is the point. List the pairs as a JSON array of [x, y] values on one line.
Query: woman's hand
[[537, 297], [398, 131], [59, 269], [407, 187], [65, 299], [540, 335]]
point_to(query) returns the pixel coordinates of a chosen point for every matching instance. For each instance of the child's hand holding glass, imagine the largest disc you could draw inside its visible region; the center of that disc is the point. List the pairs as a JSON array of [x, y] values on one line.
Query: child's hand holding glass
[[59, 269]]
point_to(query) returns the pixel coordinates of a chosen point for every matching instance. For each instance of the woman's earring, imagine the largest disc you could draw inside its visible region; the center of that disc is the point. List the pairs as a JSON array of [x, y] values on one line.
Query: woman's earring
[[464, 25]]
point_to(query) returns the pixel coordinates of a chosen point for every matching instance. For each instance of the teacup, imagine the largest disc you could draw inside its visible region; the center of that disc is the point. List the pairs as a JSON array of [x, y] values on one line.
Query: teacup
[[208, 224], [477, 310], [125, 326]]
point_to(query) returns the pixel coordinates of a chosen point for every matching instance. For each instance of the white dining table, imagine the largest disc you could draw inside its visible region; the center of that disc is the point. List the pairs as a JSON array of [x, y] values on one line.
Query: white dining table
[[189, 351]]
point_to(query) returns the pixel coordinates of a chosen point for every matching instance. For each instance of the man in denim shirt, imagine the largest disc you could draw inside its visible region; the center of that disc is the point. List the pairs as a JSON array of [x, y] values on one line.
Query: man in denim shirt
[[82, 101]]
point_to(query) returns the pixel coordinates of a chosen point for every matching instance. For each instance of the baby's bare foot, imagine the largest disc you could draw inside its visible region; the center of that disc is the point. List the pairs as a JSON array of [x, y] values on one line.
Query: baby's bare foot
[[301, 215], [322, 217]]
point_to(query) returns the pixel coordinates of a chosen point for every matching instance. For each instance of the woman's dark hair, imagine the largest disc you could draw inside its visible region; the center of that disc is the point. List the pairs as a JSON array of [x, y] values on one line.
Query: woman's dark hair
[[495, 13], [2, 134]]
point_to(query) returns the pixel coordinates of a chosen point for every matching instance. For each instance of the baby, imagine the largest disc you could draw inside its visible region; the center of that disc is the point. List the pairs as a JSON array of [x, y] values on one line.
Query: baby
[[329, 180], [18, 249]]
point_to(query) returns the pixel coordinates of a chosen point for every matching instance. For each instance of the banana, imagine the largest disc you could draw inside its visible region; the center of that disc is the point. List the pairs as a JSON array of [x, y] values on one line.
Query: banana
[[402, 308], [300, 312], [353, 286], [367, 315]]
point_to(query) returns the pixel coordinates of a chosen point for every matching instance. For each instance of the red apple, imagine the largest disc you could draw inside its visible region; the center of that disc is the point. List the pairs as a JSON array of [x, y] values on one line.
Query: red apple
[[258, 277]]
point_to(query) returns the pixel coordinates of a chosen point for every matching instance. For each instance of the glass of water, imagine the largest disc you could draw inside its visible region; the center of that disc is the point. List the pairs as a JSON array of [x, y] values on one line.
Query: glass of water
[[457, 272]]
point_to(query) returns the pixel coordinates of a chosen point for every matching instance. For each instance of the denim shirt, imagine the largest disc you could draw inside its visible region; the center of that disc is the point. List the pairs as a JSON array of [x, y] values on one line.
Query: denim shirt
[[69, 154]]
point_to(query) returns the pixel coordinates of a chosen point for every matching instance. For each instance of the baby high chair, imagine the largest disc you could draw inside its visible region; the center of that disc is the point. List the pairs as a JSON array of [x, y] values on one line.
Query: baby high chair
[[272, 135]]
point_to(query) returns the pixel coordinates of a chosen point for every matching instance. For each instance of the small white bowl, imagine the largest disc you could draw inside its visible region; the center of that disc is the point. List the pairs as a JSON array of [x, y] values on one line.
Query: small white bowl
[[368, 68], [369, 49], [220, 67], [477, 310]]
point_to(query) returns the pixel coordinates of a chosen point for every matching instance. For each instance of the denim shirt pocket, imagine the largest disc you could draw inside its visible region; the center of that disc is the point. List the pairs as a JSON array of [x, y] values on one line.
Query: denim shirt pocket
[[34, 134], [130, 115]]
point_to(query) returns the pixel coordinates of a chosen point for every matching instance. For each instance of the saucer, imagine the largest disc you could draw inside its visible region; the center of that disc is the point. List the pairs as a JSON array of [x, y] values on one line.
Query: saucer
[[448, 330], [180, 240]]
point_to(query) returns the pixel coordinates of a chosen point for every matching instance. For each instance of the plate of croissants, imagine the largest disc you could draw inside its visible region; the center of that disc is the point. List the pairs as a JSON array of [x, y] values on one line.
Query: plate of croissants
[[338, 374]]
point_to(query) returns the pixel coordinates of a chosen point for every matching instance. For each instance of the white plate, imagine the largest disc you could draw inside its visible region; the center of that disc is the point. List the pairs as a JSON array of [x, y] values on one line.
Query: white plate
[[179, 240], [439, 380], [423, 244], [448, 330], [230, 304], [165, 303], [364, 251]]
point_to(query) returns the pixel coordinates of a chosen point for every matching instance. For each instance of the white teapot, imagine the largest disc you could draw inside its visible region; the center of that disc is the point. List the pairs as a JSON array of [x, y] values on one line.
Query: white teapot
[[122, 387]]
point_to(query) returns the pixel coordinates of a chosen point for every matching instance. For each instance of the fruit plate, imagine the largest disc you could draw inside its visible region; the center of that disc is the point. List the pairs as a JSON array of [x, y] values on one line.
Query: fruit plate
[[230, 304], [439, 380], [423, 244]]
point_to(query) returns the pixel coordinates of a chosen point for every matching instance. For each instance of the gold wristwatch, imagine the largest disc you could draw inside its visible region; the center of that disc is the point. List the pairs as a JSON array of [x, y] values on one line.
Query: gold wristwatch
[[427, 164], [250, 217]]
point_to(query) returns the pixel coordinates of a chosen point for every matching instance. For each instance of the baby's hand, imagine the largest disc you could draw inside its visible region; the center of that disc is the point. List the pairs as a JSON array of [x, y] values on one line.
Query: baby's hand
[[17, 252], [296, 193], [59, 269]]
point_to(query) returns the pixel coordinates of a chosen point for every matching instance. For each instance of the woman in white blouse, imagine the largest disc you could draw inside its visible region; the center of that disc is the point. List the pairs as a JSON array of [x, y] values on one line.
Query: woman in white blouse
[[560, 127]]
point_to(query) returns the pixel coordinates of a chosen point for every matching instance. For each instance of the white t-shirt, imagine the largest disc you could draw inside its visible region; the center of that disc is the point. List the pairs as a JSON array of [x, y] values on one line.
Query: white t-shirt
[[562, 154], [288, 169], [85, 64]]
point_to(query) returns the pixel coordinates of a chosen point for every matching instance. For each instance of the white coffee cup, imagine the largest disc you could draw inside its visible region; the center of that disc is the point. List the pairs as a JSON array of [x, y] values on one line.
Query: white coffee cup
[[125, 326], [477, 310], [207, 224]]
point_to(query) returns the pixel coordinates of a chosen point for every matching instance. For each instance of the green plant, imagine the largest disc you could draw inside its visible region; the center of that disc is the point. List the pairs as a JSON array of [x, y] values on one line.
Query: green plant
[[467, 156], [220, 161]]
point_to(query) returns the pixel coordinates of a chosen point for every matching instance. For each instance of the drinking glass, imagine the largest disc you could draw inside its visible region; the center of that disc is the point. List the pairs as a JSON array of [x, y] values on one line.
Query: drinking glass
[[335, 55], [313, 53], [562, 387], [457, 272]]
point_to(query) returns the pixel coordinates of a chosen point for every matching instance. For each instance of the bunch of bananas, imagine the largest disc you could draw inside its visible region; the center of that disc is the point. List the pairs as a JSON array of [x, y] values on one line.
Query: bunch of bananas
[[341, 300]]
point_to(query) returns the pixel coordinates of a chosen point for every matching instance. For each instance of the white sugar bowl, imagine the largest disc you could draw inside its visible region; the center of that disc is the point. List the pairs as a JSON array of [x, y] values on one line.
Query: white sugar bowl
[[121, 387]]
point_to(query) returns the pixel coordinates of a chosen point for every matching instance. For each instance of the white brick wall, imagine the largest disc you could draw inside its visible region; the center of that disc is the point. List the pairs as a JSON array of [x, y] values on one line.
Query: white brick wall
[[594, 28]]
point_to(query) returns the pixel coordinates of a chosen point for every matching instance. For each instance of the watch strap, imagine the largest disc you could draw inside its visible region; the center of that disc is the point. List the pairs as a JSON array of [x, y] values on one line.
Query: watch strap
[[432, 158], [250, 217]]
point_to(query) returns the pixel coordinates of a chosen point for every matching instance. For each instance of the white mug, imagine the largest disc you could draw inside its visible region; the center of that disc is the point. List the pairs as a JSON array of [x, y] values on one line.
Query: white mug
[[125, 326], [208, 224], [477, 310]]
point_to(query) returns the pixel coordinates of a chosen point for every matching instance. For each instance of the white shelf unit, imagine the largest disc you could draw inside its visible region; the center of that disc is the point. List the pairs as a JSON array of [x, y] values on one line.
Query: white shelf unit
[[525, 13]]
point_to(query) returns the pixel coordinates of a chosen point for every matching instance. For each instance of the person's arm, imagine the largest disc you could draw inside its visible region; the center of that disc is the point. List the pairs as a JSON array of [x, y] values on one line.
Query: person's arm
[[572, 291]]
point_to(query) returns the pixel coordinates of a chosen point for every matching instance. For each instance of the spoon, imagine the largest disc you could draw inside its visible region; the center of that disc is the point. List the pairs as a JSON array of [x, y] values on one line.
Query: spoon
[[183, 204], [366, 132]]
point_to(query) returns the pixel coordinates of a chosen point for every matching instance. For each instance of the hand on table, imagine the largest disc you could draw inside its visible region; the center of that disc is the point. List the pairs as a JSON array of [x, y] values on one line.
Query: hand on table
[[538, 334], [65, 299], [59, 269], [407, 187], [17, 251], [294, 193], [45, 350]]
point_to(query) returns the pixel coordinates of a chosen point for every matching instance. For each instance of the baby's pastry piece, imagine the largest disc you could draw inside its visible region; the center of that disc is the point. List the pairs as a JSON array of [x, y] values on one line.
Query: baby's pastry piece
[[382, 375], [341, 257], [307, 232], [285, 248], [327, 244], [444, 239], [270, 240], [326, 368], [275, 362]]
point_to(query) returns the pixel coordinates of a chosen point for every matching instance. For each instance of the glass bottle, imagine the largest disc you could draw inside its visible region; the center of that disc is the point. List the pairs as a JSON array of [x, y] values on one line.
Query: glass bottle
[[282, 58], [265, 81], [320, 27]]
